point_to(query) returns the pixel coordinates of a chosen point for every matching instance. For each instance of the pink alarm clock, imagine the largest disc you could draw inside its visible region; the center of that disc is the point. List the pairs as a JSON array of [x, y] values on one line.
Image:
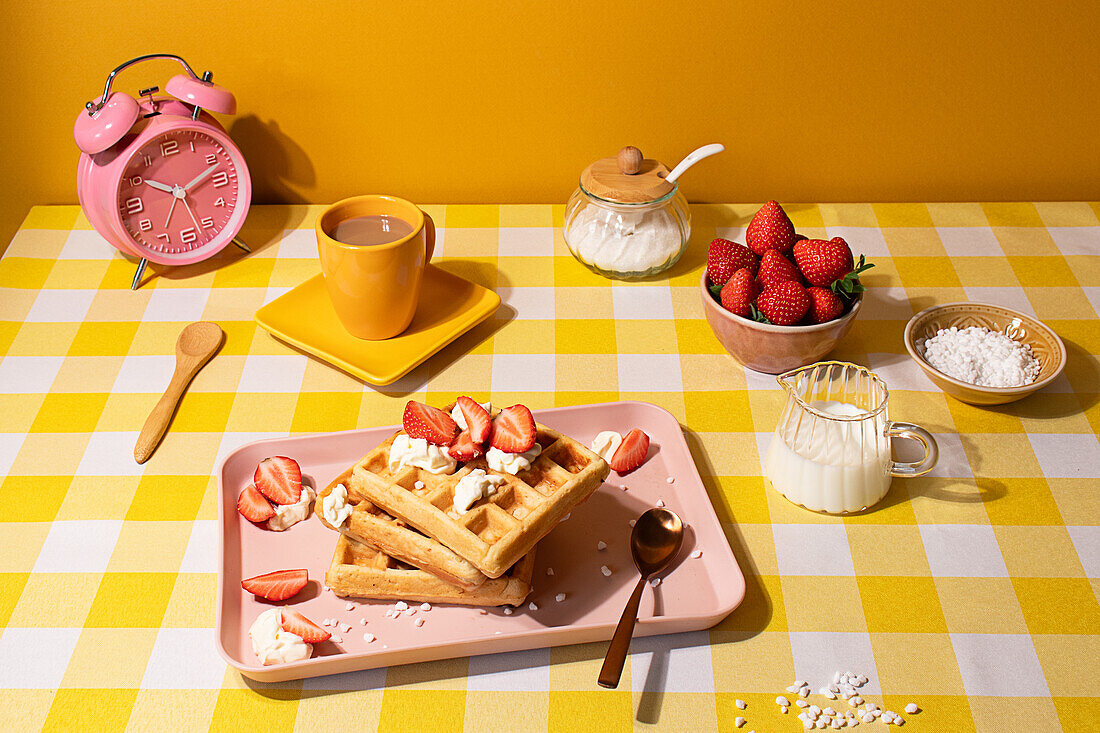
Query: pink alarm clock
[[159, 178]]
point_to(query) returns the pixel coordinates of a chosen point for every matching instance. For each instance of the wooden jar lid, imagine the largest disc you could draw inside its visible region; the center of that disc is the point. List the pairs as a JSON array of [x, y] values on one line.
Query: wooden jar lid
[[628, 178]]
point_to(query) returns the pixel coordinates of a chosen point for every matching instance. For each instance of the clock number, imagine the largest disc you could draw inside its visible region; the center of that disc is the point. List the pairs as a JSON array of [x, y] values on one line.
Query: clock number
[[219, 202], [220, 179], [207, 222], [165, 237], [134, 206], [189, 235], [147, 160], [211, 159], [136, 181], [145, 225], [170, 147]]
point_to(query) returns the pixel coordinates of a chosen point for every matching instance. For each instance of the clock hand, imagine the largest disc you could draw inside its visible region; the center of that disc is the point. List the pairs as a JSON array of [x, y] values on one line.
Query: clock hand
[[198, 228], [159, 186], [170, 210], [199, 177]]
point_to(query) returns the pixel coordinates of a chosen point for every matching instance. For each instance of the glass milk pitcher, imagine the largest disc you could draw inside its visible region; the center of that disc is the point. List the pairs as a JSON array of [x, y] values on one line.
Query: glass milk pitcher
[[831, 450]]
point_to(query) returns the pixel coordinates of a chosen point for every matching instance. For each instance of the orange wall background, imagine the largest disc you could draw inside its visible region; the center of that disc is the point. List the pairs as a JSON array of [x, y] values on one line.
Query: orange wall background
[[868, 100]]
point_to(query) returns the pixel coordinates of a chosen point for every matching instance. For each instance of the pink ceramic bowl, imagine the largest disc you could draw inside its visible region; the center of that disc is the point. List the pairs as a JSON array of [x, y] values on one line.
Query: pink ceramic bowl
[[772, 349]]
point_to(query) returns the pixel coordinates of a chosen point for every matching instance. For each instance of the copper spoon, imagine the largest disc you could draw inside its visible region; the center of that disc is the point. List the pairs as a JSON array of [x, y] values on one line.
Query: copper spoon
[[656, 539], [196, 344]]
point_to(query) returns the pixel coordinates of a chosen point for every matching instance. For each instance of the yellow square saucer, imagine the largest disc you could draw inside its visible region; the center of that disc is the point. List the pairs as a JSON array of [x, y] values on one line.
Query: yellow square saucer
[[449, 306]]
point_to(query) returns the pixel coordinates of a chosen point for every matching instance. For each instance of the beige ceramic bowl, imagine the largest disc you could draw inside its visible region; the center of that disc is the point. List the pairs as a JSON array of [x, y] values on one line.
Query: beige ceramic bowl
[[1044, 343], [772, 349]]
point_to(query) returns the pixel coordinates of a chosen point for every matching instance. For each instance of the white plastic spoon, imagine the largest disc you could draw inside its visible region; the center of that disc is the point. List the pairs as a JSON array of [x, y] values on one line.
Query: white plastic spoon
[[692, 158]]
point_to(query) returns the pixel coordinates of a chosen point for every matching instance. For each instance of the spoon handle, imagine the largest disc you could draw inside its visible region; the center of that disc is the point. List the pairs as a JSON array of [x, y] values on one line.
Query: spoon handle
[[612, 668], [157, 422]]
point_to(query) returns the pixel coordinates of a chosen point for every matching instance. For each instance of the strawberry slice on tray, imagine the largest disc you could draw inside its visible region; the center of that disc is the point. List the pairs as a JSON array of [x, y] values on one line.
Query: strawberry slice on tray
[[280, 479], [631, 452], [430, 423], [297, 624], [253, 506], [278, 585], [464, 448], [513, 430], [478, 422]]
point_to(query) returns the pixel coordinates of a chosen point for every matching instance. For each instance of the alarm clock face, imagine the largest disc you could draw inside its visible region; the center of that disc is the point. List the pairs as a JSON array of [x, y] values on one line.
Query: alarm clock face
[[178, 193]]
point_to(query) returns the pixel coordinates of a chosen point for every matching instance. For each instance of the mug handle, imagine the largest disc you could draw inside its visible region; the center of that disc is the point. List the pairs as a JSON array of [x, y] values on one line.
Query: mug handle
[[922, 436], [429, 237]]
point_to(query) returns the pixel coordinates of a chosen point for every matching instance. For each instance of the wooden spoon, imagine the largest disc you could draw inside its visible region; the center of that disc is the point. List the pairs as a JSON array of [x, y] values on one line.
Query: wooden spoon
[[196, 344], [656, 539]]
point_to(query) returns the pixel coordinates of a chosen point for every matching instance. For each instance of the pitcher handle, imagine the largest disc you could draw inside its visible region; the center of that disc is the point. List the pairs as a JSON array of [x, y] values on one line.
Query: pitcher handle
[[922, 436]]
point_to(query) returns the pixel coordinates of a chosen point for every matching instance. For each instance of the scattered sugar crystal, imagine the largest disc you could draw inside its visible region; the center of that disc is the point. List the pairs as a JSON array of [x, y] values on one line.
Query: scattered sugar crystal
[[601, 545], [410, 611], [337, 638], [654, 582], [912, 708], [739, 721], [697, 554], [362, 622], [660, 502], [606, 571], [814, 711], [418, 485], [533, 606], [801, 703], [855, 700], [559, 597], [783, 709], [623, 488], [400, 606], [346, 628], [482, 612], [549, 571], [419, 622], [741, 704], [782, 701], [868, 718], [349, 606], [425, 606], [828, 711], [671, 480], [793, 688], [326, 621], [827, 693], [368, 637], [804, 692], [567, 516], [631, 522], [507, 610]]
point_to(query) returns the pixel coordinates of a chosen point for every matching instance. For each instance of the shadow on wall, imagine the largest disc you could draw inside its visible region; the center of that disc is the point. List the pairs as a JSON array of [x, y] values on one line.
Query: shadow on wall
[[279, 166]]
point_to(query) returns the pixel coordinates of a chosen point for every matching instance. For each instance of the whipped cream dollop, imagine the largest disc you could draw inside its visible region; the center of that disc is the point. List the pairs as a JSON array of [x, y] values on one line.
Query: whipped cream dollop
[[334, 507], [511, 463], [458, 417], [287, 515], [473, 487], [417, 452], [606, 443], [273, 645]]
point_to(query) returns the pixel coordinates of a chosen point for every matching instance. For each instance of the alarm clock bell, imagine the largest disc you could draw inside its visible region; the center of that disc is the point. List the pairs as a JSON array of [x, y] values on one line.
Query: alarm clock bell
[[159, 178]]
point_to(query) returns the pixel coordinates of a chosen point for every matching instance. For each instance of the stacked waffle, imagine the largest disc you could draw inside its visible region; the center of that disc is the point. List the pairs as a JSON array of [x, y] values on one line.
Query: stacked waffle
[[450, 511]]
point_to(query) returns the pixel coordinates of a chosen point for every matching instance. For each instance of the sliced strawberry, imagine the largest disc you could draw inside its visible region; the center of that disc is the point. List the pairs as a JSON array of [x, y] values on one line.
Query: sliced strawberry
[[464, 448], [631, 452], [296, 623], [280, 479], [514, 430], [253, 506], [429, 423], [477, 417], [277, 586]]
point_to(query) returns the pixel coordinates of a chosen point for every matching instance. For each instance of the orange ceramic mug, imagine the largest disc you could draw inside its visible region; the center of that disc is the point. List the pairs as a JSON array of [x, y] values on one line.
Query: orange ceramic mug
[[375, 288]]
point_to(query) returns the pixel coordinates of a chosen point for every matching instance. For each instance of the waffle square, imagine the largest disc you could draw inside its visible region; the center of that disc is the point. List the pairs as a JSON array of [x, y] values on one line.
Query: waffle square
[[359, 570], [499, 529]]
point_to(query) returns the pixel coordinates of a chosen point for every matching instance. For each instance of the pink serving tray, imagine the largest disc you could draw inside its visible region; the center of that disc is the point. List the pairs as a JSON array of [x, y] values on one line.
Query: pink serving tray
[[695, 594]]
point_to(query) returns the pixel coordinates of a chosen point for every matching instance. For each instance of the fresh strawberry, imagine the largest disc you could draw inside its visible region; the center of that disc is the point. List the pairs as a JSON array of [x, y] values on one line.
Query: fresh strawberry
[[295, 623], [513, 430], [631, 452], [429, 423], [770, 229], [277, 586], [477, 419], [464, 448], [739, 293], [825, 305], [828, 264], [725, 258], [784, 304], [775, 268], [280, 479], [253, 506]]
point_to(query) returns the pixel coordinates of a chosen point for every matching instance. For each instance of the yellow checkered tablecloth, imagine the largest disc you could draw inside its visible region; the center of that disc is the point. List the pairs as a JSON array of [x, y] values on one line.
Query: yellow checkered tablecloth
[[972, 591]]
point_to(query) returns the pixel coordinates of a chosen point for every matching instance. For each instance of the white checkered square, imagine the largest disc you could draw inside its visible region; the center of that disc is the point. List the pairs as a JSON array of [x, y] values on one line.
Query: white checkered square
[[733, 234], [35, 659], [863, 240], [1093, 294], [60, 306], [176, 304], [273, 373], [523, 671], [672, 663], [962, 551], [201, 555], [645, 302], [900, 372], [28, 374], [145, 373], [650, 372], [298, 244], [1086, 540], [1065, 455], [952, 462], [78, 546], [10, 443], [184, 659], [110, 454], [818, 655], [999, 665], [1076, 240], [86, 244], [812, 549], [1006, 297], [970, 242], [523, 373], [529, 303], [526, 242], [273, 293]]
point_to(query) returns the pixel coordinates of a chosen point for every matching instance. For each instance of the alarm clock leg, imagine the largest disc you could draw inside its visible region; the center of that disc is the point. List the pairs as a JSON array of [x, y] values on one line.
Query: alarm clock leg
[[138, 274], [241, 245]]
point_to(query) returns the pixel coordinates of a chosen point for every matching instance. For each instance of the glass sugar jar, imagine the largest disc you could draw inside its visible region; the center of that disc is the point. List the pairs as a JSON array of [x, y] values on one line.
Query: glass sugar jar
[[625, 220]]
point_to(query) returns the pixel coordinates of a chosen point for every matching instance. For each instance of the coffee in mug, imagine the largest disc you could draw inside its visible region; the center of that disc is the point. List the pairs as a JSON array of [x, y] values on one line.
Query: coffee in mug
[[370, 230]]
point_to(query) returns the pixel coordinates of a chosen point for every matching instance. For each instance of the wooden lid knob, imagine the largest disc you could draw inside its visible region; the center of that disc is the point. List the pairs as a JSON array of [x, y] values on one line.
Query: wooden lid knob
[[627, 178]]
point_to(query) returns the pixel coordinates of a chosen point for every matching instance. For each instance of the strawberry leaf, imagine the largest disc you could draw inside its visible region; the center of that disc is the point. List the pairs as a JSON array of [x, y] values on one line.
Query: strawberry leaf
[[715, 291], [756, 315]]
